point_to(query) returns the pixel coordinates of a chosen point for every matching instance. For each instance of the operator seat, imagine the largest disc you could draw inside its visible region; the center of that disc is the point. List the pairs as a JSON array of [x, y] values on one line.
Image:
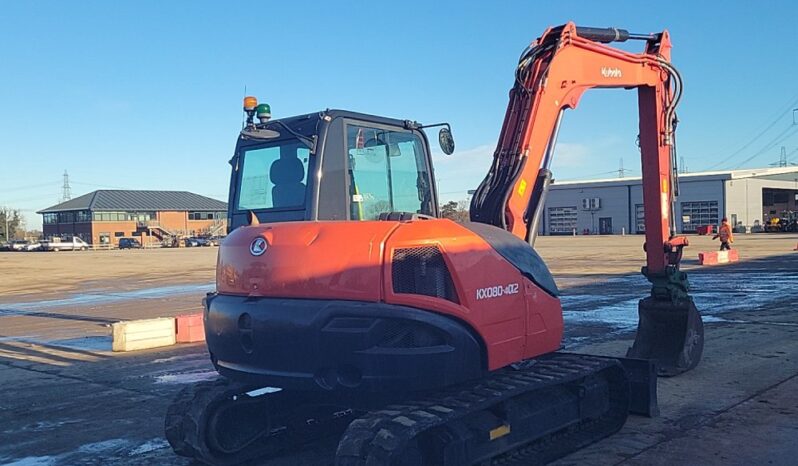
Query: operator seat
[[287, 173]]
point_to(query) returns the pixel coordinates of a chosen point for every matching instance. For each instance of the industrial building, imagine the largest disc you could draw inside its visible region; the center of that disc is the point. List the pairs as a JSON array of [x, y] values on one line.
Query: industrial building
[[103, 217], [748, 198]]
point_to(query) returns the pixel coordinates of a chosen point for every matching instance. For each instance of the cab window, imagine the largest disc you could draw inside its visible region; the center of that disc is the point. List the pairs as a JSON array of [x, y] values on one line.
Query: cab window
[[274, 176], [387, 173]]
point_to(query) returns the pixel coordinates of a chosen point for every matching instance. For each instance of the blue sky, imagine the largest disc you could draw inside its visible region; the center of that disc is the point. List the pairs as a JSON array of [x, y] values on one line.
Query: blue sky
[[146, 95]]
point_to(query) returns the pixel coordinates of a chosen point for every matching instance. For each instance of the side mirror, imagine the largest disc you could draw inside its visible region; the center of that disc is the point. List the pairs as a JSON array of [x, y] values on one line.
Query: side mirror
[[446, 141]]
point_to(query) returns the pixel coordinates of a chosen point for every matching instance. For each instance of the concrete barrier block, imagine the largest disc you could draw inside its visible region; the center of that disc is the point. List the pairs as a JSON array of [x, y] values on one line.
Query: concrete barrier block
[[189, 328], [142, 334], [718, 257], [708, 258]]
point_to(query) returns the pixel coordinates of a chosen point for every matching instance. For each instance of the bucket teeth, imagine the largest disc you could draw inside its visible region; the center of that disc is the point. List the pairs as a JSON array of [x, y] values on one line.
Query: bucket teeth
[[672, 334]]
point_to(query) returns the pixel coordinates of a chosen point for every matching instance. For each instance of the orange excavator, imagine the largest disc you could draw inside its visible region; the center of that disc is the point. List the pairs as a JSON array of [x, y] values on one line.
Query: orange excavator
[[346, 311]]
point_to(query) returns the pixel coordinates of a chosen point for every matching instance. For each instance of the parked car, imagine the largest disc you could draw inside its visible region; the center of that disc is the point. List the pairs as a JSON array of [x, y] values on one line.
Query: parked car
[[129, 243], [32, 247], [195, 241], [72, 244], [19, 245]]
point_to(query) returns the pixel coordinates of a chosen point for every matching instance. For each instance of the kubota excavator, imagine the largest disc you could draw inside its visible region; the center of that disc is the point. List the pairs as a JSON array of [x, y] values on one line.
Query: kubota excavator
[[413, 339]]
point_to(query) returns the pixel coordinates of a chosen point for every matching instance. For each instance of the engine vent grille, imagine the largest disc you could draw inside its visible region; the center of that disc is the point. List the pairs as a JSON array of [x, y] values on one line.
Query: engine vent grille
[[422, 271], [405, 334]]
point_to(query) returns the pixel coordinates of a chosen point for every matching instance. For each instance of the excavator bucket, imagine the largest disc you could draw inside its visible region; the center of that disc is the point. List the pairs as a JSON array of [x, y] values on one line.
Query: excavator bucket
[[670, 334]]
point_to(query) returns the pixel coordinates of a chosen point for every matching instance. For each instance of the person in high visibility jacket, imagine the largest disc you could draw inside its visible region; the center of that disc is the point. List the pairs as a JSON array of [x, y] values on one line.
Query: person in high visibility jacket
[[725, 235]]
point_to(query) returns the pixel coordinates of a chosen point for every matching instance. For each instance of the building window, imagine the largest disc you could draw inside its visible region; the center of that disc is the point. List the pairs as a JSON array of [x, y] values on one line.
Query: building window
[[112, 217], [204, 215], [771, 197], [50, 218], [119, 234], [66, 217], [82, 216], [640, 218], [698, 214], [141, 216], [562, 220]]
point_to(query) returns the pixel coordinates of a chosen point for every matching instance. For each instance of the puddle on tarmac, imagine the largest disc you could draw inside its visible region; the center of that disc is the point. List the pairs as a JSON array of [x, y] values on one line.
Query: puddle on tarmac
[[92, 343], [98, 343], [613, 312], [82, 299]]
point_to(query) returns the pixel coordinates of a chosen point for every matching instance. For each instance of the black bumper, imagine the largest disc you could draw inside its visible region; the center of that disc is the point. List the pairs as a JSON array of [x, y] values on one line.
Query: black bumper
[[343, 346]]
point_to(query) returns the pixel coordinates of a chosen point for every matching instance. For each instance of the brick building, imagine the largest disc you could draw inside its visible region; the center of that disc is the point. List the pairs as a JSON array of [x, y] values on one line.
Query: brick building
[[102, 217]]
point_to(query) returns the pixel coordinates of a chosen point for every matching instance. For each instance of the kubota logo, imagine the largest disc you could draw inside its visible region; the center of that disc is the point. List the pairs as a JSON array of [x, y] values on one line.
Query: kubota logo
[[258, 246], [611, 72]]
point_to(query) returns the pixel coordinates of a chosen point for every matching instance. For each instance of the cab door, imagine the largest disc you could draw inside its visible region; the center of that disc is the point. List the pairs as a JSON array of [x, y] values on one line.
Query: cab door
[[388, 170]]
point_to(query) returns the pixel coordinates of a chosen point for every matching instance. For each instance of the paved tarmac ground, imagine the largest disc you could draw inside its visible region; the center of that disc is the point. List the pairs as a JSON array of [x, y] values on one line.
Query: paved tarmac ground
[[65, 399]]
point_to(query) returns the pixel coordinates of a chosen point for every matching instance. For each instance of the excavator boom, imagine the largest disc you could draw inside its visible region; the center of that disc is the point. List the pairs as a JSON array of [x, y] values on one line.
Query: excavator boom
[[552, 75]]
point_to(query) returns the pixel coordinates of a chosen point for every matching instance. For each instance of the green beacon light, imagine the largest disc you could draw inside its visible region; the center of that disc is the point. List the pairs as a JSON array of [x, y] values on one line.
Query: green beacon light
[[264, 112]]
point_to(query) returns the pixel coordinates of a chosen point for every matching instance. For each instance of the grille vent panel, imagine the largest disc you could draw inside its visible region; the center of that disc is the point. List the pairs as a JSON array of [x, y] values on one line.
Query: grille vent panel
[[422, 271]]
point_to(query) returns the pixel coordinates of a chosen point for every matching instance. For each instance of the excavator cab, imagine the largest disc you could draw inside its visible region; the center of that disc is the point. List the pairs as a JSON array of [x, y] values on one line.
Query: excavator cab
[[331, 165]]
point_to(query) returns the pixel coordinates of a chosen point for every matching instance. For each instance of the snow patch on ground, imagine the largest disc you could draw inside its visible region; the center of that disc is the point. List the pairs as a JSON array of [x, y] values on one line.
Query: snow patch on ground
[[186, 378], [50, 425], [31, 461], [105, 445], [113, 449], [148, 446], [173, 358]]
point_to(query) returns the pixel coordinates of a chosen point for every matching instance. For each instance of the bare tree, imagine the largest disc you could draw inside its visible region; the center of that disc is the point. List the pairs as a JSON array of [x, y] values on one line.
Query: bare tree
[[10, 221], [455, 210]]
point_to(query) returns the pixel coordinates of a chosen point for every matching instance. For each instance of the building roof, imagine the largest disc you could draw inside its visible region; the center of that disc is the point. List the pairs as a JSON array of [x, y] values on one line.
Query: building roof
[[129, 200], [773, 173]]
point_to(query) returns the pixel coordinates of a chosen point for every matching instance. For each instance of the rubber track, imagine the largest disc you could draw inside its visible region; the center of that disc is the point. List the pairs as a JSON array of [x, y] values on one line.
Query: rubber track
[[186, 425], [183, 418], [184, 422], [379, 437]]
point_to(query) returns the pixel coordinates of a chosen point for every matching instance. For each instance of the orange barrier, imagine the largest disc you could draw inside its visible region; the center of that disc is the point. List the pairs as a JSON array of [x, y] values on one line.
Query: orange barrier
[[718, 257], [189, 328]]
